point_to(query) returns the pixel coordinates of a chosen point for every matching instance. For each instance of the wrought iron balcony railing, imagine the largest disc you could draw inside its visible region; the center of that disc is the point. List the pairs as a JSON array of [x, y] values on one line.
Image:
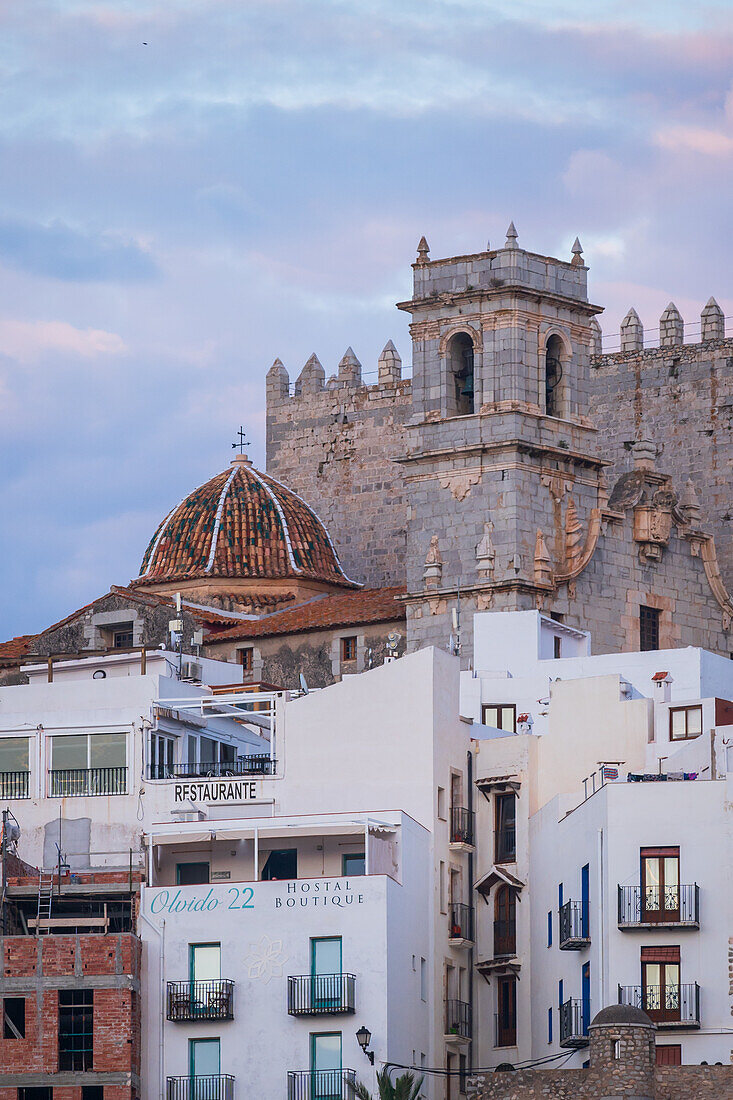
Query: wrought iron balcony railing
[[573, 1025], [458, 1019], [209, 1000], [321, 1084], [215, 1086], [505, 844], [505, 1029], [505, 938], [574, 926], [667, 1006], [321, 994], [462, 825], [676, 906], [76, 782], [258, 764], [14, 784], [461, 921]]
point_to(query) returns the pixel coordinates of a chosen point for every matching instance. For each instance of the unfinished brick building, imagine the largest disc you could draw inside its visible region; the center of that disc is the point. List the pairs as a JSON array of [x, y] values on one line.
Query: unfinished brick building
[[69, 988]]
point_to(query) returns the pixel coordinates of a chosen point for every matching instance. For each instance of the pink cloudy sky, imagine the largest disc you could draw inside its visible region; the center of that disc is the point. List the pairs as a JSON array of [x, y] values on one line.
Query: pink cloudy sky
[[253, 182]]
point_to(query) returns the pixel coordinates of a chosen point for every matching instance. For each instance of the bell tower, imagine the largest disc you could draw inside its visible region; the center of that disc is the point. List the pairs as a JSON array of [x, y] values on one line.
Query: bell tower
[[502, 474]]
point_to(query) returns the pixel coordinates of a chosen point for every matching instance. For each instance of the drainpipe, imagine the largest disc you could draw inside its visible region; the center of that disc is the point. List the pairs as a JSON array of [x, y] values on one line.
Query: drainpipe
[[160, 931], [469, 785]]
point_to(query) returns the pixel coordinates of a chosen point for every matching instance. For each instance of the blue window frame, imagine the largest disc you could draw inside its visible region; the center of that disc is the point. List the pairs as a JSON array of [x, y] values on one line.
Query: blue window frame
[[549, 928], [549, 1025], [560, 997]]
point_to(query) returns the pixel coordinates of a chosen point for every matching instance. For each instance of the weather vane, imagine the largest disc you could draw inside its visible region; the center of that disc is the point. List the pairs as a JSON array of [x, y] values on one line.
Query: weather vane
[[243, 442]]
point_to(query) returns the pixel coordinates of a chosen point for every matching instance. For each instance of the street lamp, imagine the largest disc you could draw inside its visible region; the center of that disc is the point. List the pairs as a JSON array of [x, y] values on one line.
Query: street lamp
[[364, 1038]]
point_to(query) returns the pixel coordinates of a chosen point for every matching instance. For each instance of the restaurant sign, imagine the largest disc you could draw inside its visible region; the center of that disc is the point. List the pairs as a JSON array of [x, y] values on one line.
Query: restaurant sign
[[217, 790]]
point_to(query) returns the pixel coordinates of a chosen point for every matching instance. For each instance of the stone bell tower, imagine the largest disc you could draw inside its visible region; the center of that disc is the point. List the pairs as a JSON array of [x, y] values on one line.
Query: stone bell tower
[[502, 475]]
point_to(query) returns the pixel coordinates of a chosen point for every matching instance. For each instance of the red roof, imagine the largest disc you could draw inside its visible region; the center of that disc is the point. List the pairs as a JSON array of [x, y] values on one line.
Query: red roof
[[370, 605], [12, 650]]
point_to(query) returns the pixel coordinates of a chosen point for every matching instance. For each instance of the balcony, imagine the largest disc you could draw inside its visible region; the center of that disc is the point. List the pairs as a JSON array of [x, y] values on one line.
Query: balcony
[[80, 782], [672, 1006], [321, 994], [457, 1021], [574, 930], [321, 1084], [672, 907], [461, 924], [505, 939], [190, 1001], [505, 844], [216, 1086], [462, 828], [14, 784], [259, 764], [573, 1028]]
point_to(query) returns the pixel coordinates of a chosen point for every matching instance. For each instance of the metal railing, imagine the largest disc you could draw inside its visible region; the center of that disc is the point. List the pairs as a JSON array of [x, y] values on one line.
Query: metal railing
[[670, 1004], [653, 905], [458, 1019], [505, 937], [573, 1027], [574, 930], [207, 1000], [505, 844], [461, 921], [321, 1084], [14, 784], [259, 764], [462, 825], [321, 994], [214, 1086], [74, 782]]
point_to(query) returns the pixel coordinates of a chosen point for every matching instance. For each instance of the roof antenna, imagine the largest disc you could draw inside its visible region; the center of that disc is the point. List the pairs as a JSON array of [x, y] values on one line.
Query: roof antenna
[[303, 684], [454, 642]]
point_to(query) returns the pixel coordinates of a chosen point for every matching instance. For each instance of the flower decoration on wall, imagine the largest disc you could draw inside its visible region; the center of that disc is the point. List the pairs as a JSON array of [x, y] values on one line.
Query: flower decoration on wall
[[266, 959]]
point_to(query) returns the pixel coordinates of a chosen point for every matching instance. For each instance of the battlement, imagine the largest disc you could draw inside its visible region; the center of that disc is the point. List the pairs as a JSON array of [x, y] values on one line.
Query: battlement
[[498, 270], [312, 378], [672, 331]]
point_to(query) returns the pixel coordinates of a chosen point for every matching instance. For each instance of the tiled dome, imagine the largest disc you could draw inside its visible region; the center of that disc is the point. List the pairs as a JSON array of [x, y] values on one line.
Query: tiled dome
[[241, 524]]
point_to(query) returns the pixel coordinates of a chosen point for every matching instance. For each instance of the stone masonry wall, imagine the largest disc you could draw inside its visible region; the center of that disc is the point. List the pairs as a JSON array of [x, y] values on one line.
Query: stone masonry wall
[[670, 1083], [681, 398], [334, 445]]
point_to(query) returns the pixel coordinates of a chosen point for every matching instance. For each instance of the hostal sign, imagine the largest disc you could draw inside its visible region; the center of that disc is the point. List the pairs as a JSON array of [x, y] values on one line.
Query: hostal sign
[[217, 790]]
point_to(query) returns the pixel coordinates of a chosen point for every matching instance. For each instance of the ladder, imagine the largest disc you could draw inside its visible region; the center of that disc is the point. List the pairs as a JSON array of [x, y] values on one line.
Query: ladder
[[45, 894]]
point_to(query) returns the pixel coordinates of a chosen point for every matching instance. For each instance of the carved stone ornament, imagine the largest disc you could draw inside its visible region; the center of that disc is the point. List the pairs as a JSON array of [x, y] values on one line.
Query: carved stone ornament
[[433, 572], [542, 561], [653, 525], [460, 484], [558, 485], [485, 553], [573, 536]]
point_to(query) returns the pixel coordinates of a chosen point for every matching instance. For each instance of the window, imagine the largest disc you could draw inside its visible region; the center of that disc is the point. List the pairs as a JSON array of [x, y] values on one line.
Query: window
[[560, 993], [281, 864], [505, 922], [14, 1018], [441, 884], [246, 658], [556, 646], [505, 828], [502, 716], [660, 979], [161, 756], [76, 1017], [204, 1060], [13, 757], [325, 1079], [122, 636], [92, 1092], [460, 375], [38, 1092], [348, 648], [441, 803], [669, 1055], [204, 962], [423, 979], [649, 627], [549, 928], [353, 863], [549, 1025], [553, 375], [192, 874], [660, 885], [506, 1008], [88, 764], [685, 723], [326, 970]]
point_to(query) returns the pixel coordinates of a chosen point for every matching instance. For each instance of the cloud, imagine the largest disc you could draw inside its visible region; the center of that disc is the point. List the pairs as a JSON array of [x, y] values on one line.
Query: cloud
[[62, 252], [695, 139], [29, 341]]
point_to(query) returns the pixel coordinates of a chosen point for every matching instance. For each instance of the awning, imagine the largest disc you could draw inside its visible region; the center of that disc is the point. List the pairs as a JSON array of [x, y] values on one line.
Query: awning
[[265, 831], [498, 784], [497, 876]]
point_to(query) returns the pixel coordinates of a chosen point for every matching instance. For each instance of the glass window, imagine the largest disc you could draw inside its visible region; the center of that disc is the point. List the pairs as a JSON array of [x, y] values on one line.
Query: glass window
[[79, 751], [208, 750], [69, 752], [502, 716], [192, 874], [506, 998], [505, 828], [281, 864], [326, 1082], [205, 962], [354, 863], [685, 723], [648, 628], [107, 750], [122, 636], [205, 1061], [348, 649], [13, 754]]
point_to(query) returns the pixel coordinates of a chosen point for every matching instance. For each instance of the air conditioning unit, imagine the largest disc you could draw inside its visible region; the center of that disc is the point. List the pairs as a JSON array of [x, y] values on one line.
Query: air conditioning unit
[[191, 670]]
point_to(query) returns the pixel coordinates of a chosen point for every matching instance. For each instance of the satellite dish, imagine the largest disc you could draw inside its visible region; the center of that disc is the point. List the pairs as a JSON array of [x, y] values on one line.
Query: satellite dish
[[303, 684]]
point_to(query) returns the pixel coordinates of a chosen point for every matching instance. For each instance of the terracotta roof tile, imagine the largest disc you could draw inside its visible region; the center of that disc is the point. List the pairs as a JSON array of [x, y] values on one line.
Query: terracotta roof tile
[[370, 605], [15, 648]]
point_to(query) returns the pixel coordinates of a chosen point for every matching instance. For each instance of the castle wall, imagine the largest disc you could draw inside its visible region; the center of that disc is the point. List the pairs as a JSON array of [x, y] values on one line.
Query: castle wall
[[334, 445], [681, 397]]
